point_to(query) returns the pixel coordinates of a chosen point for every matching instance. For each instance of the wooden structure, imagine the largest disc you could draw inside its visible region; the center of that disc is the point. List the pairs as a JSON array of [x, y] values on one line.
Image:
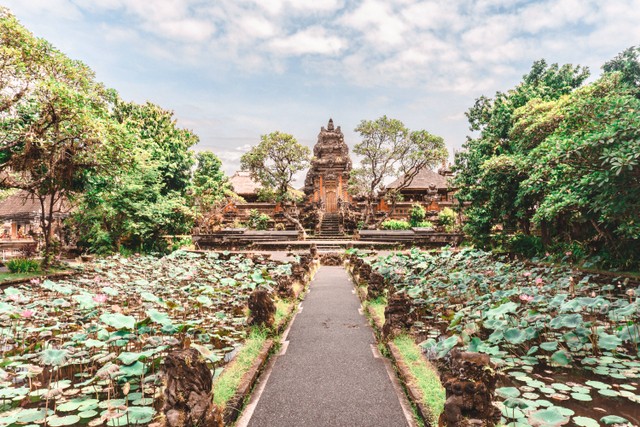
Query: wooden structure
[[244, 186], [20, 215], [327, 179], [430, 188]]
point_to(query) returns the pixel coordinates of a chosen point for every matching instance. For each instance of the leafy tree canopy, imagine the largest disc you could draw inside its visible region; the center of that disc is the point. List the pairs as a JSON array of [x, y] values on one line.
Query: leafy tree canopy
[[558, 157], [389, 149]]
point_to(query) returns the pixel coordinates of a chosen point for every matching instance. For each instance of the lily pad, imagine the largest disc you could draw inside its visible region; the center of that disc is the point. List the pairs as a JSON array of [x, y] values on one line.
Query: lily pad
[[613, 419], [56, 421], [548, 417]]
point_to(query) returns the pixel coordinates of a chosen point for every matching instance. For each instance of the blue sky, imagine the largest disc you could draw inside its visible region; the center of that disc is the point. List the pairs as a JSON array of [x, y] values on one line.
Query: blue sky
[[232, 70]]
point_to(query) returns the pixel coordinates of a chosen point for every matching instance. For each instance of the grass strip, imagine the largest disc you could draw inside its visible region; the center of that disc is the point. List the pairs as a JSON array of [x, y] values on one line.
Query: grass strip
[[376, 308], [423, 375], [10, 277], [228, 382], [284, 308]]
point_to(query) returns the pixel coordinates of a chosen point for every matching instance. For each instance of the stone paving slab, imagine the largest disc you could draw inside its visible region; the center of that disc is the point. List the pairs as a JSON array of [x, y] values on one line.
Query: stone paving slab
[[328, 375]]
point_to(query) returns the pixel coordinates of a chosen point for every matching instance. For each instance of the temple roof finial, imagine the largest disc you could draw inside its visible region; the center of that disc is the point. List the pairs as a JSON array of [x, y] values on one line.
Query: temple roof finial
[[330, 125]]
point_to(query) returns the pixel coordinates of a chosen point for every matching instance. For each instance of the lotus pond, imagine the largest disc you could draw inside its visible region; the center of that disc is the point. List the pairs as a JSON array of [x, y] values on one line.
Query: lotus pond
[[567, 343], [87, 350]]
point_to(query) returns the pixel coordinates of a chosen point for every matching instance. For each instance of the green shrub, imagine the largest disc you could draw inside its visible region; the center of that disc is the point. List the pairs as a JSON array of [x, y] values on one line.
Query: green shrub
[[257, 220], [447, 218], [23, 265], [417, 215], [394, 224], [424, 224], [527, 245]]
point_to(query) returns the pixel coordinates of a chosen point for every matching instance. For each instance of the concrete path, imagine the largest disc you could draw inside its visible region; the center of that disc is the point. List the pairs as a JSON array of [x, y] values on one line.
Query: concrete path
[[328, 374]]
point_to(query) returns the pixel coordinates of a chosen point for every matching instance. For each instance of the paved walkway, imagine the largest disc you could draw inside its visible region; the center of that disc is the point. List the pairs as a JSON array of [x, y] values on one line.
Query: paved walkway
[[328, 375]]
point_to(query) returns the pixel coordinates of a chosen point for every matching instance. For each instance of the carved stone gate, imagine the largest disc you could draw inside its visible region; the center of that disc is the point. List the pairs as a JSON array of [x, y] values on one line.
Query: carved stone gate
[[327, 179]]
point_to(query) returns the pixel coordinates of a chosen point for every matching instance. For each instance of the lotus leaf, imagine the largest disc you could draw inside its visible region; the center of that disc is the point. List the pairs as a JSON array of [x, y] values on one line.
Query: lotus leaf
[[561, 358], [507, 392], [118, 321], [134, 369], [608, 342], [32, 415], [613, 419], [597, 384], [502, 310], [548, 417], [514, 336], [586, 422], [159, 317], [56, 421], [85, 301], [54, 357], [443, 347]]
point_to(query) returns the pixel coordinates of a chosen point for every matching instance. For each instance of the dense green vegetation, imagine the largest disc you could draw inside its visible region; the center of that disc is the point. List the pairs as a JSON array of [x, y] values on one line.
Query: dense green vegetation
[[556, 163], [126, 167], [566, 342], [390, 150], [100, 336]]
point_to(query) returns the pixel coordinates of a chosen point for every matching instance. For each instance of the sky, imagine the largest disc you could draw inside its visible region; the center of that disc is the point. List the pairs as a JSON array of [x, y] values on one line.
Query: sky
[[232, 70]]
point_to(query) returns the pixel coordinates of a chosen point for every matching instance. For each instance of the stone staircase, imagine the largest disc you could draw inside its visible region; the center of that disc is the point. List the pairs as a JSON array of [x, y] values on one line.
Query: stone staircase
[[330, 228]]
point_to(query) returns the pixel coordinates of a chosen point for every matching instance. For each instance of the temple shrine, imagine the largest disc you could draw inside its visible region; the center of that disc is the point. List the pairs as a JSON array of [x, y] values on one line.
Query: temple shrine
[[327, 179]]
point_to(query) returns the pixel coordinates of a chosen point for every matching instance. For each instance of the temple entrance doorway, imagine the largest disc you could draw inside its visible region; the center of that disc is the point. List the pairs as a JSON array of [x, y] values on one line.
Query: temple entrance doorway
[[332, 202]]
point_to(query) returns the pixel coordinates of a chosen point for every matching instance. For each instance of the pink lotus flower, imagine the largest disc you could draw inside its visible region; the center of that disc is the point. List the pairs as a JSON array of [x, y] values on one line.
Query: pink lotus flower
[[527, 274], [568, 253], [538, 281], [547, 254], [34, 281], [27, 314], [593, 294], [526, 298], [100, 298]]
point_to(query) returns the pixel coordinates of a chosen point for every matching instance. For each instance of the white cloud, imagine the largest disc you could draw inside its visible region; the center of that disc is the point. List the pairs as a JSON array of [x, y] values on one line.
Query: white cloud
[[313, 40]]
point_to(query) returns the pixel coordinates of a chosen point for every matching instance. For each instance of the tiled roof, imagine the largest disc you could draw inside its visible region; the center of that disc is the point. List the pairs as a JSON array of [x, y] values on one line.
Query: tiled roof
[[24, 206], [243, 184], [423, 180]]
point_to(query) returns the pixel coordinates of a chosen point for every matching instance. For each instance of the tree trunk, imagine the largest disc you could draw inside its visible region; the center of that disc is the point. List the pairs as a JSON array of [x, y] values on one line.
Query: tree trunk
[[45, 226], [295, 221]]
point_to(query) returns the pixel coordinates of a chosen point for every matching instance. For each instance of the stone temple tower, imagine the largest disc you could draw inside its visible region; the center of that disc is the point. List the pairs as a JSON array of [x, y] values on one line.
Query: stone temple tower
[[328, 176]]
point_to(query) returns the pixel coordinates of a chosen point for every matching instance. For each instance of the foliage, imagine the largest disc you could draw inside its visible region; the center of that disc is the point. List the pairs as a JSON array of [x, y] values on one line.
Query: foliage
[[417, 214], [627, 63], [582, 329], [257, 220], [274, 162], [140, 201], [394, 224], [558, 158], [210, 184], [388, 149], [424, 224], [55, 128], [227, 385], [123, 315], [447, 218], [424, 376], [23, 265]]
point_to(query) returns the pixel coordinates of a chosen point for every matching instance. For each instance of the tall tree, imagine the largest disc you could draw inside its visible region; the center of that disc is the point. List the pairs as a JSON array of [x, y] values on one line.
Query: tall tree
[[274, 162], [55, 123], [137, 203], [561, 158], [388, 149], [490, 170]]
